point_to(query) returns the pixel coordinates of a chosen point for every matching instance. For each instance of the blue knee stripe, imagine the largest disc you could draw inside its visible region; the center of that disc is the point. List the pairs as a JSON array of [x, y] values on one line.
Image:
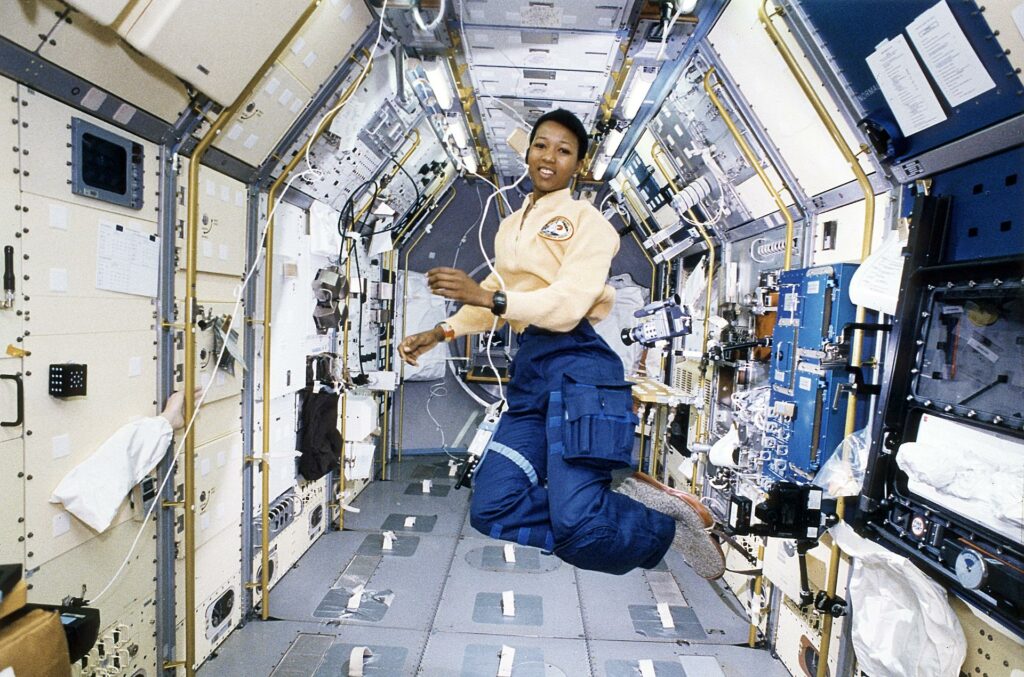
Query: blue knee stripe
[[524, 536], [495, 531], [515, 457]]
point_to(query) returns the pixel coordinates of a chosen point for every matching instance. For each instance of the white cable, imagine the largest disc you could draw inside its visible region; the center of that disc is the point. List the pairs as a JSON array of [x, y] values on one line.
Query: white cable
[[239, 293], [433, 24], [664, 35]]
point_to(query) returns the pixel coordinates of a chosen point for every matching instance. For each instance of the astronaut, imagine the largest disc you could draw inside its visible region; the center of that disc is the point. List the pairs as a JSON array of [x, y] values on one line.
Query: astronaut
[[545, 478]]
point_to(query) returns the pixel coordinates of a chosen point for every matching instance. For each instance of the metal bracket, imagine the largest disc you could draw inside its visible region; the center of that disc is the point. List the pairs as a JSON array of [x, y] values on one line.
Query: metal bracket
[[834, 606]]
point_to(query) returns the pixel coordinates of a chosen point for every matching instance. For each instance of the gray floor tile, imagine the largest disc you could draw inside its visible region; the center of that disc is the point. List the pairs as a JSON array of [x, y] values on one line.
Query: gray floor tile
[[472, 655]]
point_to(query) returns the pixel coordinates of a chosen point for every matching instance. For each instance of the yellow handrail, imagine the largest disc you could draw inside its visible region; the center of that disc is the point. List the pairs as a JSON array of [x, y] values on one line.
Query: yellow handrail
[[856, 347], [191, 274], [752, 160]]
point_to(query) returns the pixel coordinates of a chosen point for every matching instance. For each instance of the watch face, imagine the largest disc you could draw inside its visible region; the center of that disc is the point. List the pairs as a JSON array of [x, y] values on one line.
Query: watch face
[[972, 358]]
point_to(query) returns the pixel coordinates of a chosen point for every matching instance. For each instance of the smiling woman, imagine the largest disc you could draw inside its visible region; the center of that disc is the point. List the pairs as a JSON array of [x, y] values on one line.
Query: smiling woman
[[544, 478]]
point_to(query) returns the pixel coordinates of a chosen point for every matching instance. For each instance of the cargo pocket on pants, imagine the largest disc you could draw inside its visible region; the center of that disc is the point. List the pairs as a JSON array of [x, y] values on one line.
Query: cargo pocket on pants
[[598, 423]]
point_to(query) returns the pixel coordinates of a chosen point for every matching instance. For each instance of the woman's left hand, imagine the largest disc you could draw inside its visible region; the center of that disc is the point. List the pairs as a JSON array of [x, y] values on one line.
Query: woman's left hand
[[454, 284]]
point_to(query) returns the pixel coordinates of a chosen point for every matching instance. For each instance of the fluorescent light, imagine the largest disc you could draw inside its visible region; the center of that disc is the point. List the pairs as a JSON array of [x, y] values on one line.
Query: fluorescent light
[[458, 133], [639, 85], [440, 82], [612, 141]]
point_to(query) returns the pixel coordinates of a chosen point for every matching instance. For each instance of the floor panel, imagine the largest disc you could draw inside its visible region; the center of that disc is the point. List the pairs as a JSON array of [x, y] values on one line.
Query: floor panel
[[432, 605]]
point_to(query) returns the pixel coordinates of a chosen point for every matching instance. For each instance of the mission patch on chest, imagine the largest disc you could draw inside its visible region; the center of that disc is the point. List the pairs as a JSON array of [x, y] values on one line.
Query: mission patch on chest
[[558, 228]]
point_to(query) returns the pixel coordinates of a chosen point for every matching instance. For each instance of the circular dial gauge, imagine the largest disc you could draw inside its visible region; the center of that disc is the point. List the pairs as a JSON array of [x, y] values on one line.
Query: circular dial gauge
[[971, 569], [918, 526]]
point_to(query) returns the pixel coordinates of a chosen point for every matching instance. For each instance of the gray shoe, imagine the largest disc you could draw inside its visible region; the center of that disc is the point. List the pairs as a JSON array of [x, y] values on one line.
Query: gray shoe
[[693, 521]]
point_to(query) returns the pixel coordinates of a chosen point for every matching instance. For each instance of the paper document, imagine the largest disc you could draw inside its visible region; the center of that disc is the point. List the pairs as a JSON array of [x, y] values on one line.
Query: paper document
[[876, 284], [947, 54], [905, 86], [127, 261]]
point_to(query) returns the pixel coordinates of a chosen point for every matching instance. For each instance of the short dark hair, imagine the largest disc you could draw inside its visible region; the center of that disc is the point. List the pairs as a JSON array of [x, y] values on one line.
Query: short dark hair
[[571, 122]]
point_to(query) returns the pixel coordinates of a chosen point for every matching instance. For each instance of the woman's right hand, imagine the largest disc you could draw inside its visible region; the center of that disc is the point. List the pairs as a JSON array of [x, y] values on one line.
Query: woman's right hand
[[413, 346]]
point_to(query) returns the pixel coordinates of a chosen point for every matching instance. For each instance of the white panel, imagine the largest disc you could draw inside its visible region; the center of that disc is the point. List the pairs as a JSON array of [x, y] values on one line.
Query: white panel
[[520, 83], [850, 231], [766, 82], [607, 16], [267, 115], [999, 16], [217, 51], [218, 473], [542, 49], [130, 600], [46, 169], [104, 12], [74, 307], [24, 22], [87, 421], [217, 419], [283, 415], [222, 217], [293, 301], [328, 39], [97, 54], [12, 498]]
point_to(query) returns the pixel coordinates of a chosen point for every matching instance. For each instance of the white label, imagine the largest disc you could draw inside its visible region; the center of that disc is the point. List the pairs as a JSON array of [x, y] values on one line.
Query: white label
[[211, 188], [207, 249], [805, 383], [780, 375], [223, 252], [508, 657], [309, 60], [665, 614], [813, 287], [1018, 18], [222, 458], [814, 500], [124, 113], [905, 86], [346, 12], [426, 486], [58, 279], [389, 541], [297, 105], [61, 446], [356, 599], [789, 304], [286, 97], [297, 46], [134, 367], [948, 55], [983, 350], [204, 467], [204, 522], [61, 523], [508, 603], [251, 140], [94, 98], [510, 553], [58, 217], [235, 131], [646, 667], [410, 522], [272, 86], [225, 194], [239, 198]]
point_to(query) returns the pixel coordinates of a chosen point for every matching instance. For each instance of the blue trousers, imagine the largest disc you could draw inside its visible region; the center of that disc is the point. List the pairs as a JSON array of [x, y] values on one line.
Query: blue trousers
[[525, 491]]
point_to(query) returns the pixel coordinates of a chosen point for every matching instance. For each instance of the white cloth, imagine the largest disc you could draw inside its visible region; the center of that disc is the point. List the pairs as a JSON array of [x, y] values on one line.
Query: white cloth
[[982, 482], [94, 489], [629, 298], [423, 310], [903, 625]]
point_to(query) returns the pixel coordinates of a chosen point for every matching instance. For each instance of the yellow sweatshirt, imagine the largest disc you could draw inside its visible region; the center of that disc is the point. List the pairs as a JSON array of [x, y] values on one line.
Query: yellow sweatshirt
[[554, 257]]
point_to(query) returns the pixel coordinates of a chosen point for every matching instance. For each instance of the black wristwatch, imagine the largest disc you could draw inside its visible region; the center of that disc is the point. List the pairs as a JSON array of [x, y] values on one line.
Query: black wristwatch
[[499, 303]]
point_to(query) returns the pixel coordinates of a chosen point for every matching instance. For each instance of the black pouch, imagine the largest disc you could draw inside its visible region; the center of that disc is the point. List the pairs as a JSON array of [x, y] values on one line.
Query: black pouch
[[598, 423]]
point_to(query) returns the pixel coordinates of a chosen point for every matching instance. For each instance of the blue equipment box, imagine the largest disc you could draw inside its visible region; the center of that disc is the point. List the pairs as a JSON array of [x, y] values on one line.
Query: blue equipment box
[[809, 364]]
